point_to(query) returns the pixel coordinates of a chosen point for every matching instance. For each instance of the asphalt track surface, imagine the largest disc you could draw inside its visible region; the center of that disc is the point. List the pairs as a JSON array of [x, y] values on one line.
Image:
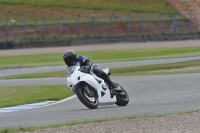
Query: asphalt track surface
[[102, 65], [149, 95]]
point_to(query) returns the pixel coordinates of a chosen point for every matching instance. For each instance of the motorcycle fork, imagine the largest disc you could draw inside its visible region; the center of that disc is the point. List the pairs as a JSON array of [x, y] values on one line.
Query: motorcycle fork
[[87, 90]]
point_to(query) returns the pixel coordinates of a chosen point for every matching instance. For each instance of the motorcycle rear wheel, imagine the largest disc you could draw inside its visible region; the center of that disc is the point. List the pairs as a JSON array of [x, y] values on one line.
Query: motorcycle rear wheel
[[122, 98], [89, 101]]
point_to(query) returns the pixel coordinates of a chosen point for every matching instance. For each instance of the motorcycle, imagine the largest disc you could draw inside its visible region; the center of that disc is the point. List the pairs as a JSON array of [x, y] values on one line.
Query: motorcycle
[[92, 90]]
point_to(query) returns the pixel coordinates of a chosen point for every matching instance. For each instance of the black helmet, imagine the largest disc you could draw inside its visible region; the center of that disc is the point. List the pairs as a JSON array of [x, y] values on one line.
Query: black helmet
[[69, 57]]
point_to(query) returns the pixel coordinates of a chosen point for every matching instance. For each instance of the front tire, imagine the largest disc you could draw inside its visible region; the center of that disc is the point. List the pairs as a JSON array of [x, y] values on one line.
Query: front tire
[[89, 101], [122, 98]]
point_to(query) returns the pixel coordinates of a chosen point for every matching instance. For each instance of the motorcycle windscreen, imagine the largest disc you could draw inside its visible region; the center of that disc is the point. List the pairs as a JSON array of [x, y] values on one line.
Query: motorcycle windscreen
[[71, 69]]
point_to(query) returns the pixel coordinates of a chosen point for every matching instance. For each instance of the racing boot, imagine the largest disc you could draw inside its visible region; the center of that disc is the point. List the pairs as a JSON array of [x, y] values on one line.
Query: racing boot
[[116, 88], [112, 92], [113, 87]]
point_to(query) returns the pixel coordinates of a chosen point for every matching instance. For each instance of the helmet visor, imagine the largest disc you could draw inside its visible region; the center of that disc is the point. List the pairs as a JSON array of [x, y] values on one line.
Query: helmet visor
[[69, 61]]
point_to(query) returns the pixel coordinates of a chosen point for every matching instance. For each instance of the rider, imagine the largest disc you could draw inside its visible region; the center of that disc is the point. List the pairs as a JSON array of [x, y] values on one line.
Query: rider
[[70, 59]]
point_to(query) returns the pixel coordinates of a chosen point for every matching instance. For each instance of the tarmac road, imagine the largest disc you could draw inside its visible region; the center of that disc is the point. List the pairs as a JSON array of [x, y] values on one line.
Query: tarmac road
[[16, 71], [149, 95]]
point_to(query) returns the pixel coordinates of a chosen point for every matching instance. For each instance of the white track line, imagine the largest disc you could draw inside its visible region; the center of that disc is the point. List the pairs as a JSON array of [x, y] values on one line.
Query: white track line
[[33, 106]]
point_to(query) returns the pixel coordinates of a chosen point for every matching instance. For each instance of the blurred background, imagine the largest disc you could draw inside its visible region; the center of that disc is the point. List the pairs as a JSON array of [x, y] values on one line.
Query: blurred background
[[64, 22]]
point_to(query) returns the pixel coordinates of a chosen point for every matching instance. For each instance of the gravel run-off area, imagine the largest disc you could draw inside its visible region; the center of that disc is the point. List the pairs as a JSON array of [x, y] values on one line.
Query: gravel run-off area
[[177, 123]]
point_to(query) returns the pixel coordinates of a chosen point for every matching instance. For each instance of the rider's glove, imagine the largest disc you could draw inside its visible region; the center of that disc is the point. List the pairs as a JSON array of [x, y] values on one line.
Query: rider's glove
[[84, 69]]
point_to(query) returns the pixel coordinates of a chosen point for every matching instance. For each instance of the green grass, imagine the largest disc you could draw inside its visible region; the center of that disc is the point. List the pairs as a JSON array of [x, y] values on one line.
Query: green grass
[[18, 95], [11, 130], [10, 96], [153, 6], [122, 71], [98, 56], [134, 70], [159, 73], [37, 75]]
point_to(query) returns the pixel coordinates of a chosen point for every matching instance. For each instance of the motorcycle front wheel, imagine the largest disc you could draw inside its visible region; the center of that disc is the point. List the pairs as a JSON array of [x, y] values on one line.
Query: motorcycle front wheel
[[89, 100], [122, 97]]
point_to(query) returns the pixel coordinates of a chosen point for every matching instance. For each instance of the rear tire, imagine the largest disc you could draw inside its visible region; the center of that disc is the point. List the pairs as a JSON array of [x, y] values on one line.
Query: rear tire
[[88, 101], [122, 98]]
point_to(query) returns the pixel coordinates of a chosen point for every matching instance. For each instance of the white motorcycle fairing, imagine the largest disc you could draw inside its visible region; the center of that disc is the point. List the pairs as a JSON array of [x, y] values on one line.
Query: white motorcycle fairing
[[76, 77]]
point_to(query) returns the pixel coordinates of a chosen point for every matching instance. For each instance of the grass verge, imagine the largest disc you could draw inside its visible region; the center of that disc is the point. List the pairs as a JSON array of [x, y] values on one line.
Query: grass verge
[[151, 69], [123, 71], [18, 95], [154, 6], [97, 56], [11, 96], [10, 130], [158, 73]]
